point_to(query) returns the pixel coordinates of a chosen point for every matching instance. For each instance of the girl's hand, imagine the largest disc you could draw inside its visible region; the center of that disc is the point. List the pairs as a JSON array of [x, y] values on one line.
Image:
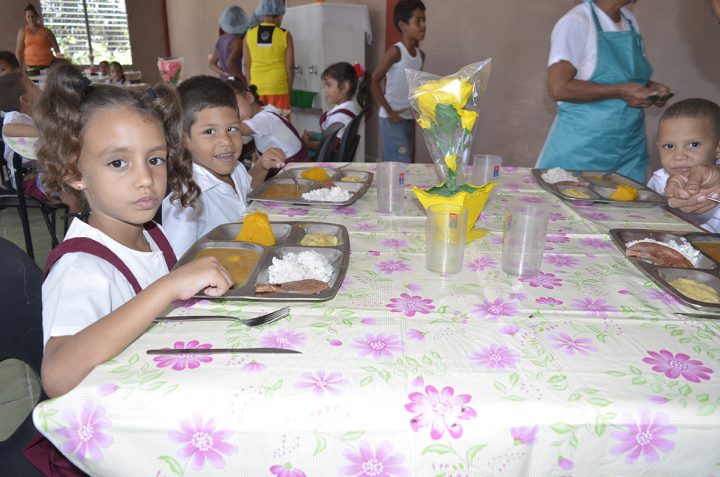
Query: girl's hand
[[206, 274], [273, 158]]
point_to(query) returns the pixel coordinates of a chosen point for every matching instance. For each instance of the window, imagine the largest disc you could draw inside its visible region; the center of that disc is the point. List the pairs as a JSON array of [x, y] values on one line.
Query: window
[[85, 27]]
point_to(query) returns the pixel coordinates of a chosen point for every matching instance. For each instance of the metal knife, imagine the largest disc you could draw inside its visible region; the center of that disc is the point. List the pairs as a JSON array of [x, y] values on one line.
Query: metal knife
[[223, 351], [699, 315]]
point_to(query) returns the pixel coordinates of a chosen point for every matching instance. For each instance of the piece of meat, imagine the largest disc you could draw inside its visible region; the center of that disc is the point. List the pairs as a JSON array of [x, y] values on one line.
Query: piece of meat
[[328, 184], [308, 287], [659, 254]]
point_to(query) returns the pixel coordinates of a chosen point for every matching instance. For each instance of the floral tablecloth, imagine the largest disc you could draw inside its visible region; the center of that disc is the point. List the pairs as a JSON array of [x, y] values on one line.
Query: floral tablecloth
[[583, 370]]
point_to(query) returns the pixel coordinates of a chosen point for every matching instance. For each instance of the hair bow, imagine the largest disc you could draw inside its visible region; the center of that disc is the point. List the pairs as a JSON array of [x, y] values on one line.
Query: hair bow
[[359, 70]]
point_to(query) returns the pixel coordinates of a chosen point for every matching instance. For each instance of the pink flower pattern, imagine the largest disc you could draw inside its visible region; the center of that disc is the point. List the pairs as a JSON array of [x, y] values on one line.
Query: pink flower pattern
[[380, 462], [596, 243], [524, 435], [181, 361], [561, 260], [393, 243], [674, 366], [378, 346], [569, 346], [545, 280], [442, 411], [392, 266], [557, 238], [663, 296], [495, 309], [84, 433], [495, 356], [549, 301], [644, 437], [286, 339], [322, 382], [202, 442], [286, 470], [409, 305], [594, 307], [479, 264]]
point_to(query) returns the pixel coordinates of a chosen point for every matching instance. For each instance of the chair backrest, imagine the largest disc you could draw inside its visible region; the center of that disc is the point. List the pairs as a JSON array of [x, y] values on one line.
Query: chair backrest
[[328, 140], [350, 140]]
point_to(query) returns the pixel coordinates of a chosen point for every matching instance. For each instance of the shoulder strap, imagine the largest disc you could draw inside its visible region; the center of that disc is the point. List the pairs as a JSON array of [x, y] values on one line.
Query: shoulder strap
[[93, 247], [288, 124], [162, 242]]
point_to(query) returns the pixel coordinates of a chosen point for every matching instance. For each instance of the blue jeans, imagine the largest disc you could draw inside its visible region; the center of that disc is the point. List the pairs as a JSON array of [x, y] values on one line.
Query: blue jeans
[[397, 139]]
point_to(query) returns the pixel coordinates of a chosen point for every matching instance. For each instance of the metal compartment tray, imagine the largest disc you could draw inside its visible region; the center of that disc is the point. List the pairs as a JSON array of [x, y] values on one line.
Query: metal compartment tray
[[288, 236]]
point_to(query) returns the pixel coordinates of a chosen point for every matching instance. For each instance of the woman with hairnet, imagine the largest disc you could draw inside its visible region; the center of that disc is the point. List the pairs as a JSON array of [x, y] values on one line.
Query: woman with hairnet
[[226, 59], [269, 57]]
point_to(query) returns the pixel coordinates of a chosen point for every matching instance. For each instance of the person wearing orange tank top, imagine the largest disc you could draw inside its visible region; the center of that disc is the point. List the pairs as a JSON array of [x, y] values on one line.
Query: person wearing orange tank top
[[35, 43]]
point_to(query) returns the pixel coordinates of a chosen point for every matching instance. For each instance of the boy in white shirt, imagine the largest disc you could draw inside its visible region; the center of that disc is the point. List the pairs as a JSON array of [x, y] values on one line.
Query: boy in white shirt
[[688, 136], [211, 136]]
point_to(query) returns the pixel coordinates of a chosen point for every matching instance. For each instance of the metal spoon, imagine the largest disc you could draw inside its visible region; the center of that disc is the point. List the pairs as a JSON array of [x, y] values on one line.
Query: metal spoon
[[297, 184]]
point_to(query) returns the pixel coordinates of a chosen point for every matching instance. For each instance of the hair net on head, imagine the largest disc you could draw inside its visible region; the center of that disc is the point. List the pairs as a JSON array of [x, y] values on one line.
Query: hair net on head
[[233, 20], [270, 8]]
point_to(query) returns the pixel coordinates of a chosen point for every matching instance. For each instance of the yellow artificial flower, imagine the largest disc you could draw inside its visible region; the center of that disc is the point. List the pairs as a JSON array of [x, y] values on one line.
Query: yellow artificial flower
[[450, 161], [424, 122], [467, 118], [452, 91]]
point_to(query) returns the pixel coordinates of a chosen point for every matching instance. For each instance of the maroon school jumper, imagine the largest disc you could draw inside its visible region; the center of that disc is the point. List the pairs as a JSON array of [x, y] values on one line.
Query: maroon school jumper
[[40, 451]]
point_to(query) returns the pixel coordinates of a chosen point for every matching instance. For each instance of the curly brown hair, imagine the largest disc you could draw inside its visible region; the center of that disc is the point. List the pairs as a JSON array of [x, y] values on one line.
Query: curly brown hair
[[65, 107]]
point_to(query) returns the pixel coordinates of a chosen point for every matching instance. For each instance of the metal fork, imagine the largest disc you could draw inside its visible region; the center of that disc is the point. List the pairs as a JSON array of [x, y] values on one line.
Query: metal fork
[[251, 322]]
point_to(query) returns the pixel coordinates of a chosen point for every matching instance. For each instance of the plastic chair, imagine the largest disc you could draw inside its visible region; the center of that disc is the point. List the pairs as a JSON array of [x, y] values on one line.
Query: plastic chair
[[350, 140], [328, 141], [21, 339], [16, 198]]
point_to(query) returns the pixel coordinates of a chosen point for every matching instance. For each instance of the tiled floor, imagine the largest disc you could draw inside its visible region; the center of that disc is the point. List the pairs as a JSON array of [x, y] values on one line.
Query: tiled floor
[[11, 229]]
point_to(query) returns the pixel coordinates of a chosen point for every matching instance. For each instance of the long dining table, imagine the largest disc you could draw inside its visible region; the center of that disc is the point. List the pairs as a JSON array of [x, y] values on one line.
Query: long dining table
[[582, 370]]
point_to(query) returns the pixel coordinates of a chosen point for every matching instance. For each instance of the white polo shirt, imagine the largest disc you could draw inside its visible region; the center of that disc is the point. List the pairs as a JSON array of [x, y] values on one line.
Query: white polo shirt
[[333, 116], [271, 131], [82, 288], [574, 38], [219, 203]]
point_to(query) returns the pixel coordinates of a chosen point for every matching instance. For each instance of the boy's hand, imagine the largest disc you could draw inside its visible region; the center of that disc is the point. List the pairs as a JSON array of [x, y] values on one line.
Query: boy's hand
[[688, 191], [394, 116], [273, 158], [206, 274]]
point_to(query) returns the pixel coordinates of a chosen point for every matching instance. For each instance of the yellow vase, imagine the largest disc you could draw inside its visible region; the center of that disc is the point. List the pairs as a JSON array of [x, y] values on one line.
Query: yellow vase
[[474, 202]]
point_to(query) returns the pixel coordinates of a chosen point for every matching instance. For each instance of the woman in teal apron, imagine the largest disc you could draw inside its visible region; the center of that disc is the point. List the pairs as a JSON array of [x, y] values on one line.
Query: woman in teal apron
[[600, 122]]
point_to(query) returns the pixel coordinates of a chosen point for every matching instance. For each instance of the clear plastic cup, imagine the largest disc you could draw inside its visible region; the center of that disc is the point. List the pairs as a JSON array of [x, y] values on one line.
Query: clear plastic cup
[[524, 240], [445, 233], [485, 168], [390, 187]]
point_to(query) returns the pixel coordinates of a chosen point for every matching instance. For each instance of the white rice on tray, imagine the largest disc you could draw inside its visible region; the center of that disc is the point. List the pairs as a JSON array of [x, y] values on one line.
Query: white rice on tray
[[558, 174], [336, 194], [682, 246], [300, 266]]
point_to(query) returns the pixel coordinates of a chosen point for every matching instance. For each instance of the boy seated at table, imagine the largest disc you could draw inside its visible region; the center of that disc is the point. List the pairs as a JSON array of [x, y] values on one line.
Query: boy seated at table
[[688, 136]]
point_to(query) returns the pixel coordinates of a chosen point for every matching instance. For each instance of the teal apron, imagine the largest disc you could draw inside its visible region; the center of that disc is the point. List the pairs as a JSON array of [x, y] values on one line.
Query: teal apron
[[603, 135]]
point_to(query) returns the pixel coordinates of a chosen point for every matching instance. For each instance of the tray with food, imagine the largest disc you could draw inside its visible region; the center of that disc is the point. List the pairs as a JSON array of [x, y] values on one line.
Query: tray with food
[[685, 264], [596, 187], [281, 261], [316, 186]]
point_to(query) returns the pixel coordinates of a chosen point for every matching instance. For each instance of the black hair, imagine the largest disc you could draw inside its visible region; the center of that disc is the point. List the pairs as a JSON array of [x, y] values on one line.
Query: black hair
[[404, 9], [695, 108], [241, 87], [67, 104], [344, 72], [31, 8], [117, 64], [11, 88], [9, 58], [202, 92]]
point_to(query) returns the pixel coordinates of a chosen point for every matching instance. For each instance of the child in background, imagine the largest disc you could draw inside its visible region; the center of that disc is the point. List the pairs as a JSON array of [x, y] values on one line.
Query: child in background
[[8, 63], [104, 68], [269, 55], [117, 74], [118, 149], [340, 85], [17, 97], [397, 126], [212, 143], [270, 130], [688, 136]]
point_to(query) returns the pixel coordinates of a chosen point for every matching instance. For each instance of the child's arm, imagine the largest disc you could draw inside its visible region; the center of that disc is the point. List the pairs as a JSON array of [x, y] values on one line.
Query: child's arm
[[69, 359], [20, 48], [273, 158], [20, 130], [310, 143], [392, 56], [247, 61], [290, 62], [214, 65]]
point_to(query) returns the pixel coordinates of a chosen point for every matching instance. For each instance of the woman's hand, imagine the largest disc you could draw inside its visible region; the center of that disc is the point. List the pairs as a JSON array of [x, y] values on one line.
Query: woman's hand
[[689, 191], [204, 274], [661, 91], [636, 95]]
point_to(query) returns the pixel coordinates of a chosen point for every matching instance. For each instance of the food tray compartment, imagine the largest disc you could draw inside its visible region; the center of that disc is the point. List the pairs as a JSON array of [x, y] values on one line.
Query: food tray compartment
[[566, 190], [364, 176], [337, 258], [612, 181], [240, 284], [304, 228], [623, 236], [297, 172], [668, 275], [264, 192], [644, 195], [228, 232], [709, 244], [282, 189]]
